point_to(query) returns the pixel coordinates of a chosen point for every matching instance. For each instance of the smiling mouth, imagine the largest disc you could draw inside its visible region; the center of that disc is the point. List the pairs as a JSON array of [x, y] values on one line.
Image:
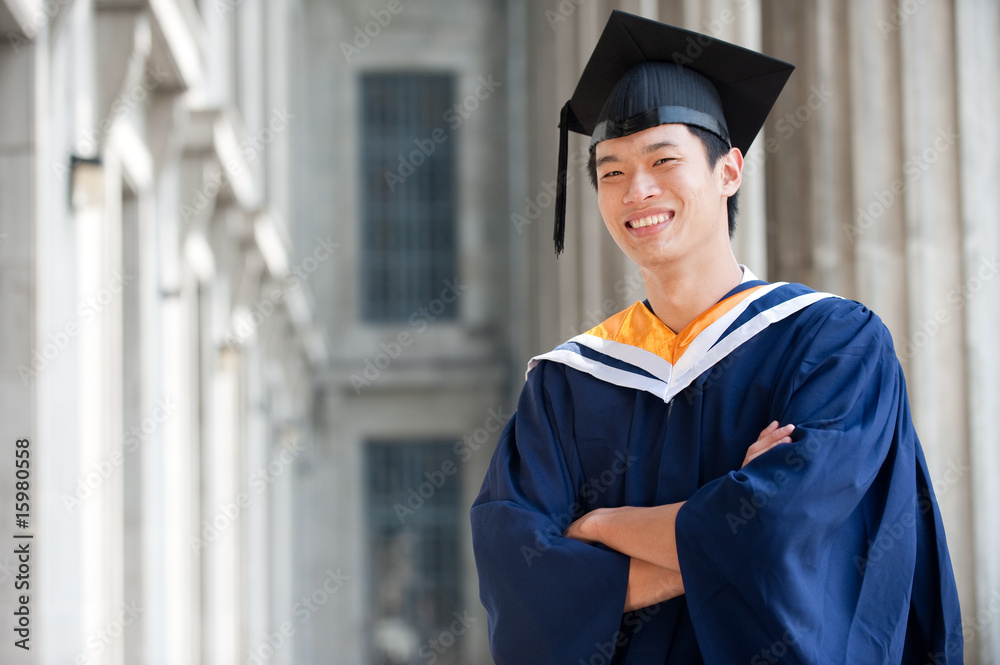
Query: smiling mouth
[[652, 220]]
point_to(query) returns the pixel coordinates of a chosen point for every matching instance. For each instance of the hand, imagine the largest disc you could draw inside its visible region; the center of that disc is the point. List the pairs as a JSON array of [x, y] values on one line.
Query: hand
[[645, 533], [584, 529], [771, 436]]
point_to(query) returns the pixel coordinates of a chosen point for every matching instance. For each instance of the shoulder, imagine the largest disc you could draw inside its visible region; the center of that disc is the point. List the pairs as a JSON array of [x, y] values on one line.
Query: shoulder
[[838, 327], [585, 369], [794, 316], [837, 315], [835, 354], [552, 376]]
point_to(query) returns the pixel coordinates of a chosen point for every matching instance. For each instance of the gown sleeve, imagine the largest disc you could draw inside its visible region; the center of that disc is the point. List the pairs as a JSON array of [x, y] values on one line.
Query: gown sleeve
[[829, 548], [549, 599]]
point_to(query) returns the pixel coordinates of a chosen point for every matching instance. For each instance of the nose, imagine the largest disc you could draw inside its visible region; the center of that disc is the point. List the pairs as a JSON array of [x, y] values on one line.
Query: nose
[[641, 187]]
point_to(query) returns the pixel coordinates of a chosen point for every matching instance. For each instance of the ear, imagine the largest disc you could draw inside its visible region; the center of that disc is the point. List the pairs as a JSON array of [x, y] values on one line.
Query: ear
[[731, 171]]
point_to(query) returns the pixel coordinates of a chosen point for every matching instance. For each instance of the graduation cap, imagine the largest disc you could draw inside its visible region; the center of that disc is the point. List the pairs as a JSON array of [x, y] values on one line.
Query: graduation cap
[[643, 73]]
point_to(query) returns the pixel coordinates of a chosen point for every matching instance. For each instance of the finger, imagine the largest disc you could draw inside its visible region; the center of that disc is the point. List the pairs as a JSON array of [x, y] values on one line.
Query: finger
[[767, 430], [751, 454], [780, 433], [768, 439], [775, 439]]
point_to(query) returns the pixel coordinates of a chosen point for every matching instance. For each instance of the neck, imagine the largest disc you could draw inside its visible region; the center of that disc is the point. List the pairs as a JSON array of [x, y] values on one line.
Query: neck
[[679, 294]]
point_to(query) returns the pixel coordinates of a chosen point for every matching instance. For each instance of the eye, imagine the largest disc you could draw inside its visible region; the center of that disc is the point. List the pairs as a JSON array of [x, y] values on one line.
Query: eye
[[610, 174], [663, 160]]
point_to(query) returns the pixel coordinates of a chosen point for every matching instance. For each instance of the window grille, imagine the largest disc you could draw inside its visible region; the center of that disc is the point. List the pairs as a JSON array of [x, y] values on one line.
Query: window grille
[[413, 510], [408, 197]]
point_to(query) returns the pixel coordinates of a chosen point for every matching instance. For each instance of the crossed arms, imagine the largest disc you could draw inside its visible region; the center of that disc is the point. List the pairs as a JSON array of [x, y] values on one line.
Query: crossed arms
[[647, 536]]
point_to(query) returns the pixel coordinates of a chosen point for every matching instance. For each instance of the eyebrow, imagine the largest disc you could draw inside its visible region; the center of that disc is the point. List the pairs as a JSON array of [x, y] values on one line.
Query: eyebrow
[[606, 159], [651, 148]]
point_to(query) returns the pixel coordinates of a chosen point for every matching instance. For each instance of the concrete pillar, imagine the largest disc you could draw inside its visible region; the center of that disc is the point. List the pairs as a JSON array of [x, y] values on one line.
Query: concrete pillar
[[99, 403], [24, 67], [549, 89], [257, 525], [874, 223], [808, 128], [592, 260], [281, 542], [829, 113], [789, 234], [568, 65], [222, 506], [935, 333], [276, 75], [178, 534], [739, 22], [521, 249], [977, 58]]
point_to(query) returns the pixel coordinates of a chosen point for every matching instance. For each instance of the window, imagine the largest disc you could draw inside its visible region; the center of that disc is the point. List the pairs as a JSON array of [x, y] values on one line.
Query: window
[[408, 198], [414, 549]]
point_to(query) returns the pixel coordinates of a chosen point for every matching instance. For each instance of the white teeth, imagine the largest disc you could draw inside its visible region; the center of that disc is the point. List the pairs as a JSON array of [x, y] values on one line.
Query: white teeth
[[648, 221]]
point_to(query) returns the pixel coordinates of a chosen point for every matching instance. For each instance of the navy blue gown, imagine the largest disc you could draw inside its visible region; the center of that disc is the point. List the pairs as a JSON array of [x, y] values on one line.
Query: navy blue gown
[[829, 549]]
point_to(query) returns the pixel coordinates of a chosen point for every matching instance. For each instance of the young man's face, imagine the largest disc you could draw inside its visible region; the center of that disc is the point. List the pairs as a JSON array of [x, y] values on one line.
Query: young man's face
[[660, 199]]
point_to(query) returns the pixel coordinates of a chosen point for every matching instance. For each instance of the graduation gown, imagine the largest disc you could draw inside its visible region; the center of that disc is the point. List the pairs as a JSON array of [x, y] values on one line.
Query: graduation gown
[[829, 549]]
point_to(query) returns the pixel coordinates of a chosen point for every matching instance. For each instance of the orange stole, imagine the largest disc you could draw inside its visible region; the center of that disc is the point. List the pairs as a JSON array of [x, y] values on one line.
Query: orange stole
[[639, 327]]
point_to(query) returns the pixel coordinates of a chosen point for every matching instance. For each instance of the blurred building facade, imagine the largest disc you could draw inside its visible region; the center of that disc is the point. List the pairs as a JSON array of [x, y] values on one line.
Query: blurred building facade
[[404, 160], [160, 349], [271, 271]]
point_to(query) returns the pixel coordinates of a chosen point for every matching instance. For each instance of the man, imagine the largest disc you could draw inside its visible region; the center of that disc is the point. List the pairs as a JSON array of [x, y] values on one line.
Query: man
[[726, 472]]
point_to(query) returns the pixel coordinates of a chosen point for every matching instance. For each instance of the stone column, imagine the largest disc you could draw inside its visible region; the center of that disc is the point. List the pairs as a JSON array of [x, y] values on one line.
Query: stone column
[[99, 404], [806, 151], [259, 528], [567, 69], [739, 22], [222, 592], [977, 58], [180, 536], [934, 339], [874, 224], [24, 67], [591, 260]]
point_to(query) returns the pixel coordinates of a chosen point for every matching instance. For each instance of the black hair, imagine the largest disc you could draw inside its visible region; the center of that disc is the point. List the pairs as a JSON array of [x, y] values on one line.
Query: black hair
[[715, 149]]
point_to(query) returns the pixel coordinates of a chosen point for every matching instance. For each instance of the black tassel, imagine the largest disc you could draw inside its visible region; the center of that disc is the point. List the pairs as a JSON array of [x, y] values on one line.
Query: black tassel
[[560, 227]]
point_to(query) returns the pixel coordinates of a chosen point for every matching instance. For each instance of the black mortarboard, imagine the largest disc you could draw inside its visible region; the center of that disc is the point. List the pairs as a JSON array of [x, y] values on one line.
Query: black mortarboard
[[643, 73]]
